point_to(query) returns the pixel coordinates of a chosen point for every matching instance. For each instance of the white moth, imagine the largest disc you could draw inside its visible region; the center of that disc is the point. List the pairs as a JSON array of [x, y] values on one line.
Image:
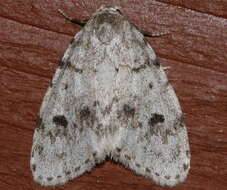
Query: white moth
[[110, 97]]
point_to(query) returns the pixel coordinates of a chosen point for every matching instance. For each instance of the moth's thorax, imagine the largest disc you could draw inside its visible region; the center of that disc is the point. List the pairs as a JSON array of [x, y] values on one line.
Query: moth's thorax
[[106, 24]]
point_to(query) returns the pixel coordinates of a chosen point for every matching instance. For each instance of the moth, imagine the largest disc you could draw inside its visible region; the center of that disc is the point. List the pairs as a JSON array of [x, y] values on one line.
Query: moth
[[110, 97]]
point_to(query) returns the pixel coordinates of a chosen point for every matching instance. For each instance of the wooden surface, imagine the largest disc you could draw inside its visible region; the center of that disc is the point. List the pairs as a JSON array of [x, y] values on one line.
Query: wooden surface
[[34, 36]]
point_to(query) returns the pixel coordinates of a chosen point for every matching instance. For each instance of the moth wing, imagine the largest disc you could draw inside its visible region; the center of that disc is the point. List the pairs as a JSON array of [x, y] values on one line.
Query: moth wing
[[63, 142], [154, 137]]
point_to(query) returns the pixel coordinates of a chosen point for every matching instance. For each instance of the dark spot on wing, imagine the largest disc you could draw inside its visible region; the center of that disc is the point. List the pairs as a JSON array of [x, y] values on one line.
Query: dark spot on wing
[[77, 168], [169, 132], [137, 69], [94, 154], [107, 109], [185, 166], [177, 176], [178, 123], [33, 167], [150, 85], [86, 161], [188, 153], [58, 133], [96, 103], [39, 149], [118, 150], [66, 86], [127, 157], [140, 125], [60, 120], [115, 99], [72, 40], [99, 127], [145, 149], [157, 62], [64, 133], [148, 170], [129, 111], [156, 118], [116, 69], [157, 174], [138, 165], [52, 137], [61, 64], [59, 176], [77, 42], [167, 177], [181, 124], [49, 178], [67, 173], [39, 123], [73, 68], [75, 125], [40, 177], [85, 112], [51, 83]]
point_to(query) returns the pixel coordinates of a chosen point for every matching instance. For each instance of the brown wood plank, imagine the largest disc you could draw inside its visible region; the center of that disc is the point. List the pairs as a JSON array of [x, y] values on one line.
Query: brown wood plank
[[34, 36]]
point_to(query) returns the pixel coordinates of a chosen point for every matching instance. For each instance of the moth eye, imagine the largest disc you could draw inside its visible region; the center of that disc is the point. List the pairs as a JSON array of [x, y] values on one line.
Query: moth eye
[[119, 11]]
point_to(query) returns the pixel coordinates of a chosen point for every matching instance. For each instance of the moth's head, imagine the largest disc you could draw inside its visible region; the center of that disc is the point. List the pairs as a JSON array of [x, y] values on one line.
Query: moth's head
[[107, 15], [108, 9], [107, 23]]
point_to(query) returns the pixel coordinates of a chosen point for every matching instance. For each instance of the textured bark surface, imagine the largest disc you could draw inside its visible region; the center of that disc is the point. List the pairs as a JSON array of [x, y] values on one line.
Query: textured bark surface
[[34, 36]]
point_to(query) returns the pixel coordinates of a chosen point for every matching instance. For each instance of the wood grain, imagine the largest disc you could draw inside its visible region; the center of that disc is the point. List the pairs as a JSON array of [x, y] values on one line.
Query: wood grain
[[34, 36]]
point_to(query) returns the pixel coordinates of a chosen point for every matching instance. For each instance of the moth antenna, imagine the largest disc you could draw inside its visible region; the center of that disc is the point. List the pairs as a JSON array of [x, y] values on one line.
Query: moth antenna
[[73, 20], [154, 35]]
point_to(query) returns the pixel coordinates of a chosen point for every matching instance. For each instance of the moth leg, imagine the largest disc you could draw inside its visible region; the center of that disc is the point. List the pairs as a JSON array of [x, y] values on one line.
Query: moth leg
[[73, 20], [166, 68], [148, 34]]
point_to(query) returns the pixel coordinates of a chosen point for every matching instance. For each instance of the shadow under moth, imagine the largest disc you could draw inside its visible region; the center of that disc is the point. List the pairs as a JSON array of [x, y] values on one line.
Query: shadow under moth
[[110, 98]]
